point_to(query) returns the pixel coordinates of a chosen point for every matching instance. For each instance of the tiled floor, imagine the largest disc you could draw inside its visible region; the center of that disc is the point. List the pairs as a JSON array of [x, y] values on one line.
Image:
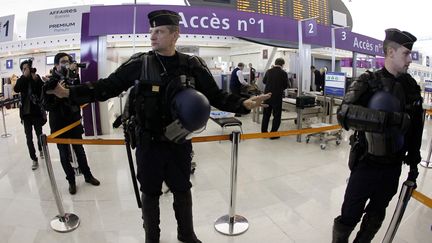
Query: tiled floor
[[289, 192]]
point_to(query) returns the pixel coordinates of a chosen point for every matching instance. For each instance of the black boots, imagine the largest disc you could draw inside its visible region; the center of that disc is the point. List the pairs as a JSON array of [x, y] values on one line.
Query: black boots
[[183, 212], [150, 215], [72, 188], [368, 228], [341, 232]]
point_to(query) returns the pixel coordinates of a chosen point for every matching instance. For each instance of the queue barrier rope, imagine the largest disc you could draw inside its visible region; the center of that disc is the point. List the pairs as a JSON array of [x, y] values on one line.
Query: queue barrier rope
[[53, 137], [425, 200]]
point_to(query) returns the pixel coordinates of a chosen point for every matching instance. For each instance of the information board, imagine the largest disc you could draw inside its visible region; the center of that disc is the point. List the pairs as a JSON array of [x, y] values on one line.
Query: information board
[[334, 84]]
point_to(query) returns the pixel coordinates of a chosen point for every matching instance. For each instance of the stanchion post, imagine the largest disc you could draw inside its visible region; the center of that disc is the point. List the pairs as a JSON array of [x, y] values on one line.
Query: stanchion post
[[74, 161], [404, 197], [5, 135], [63, 222], [232, 224], [299, 122], [426, 163], [93, 107]]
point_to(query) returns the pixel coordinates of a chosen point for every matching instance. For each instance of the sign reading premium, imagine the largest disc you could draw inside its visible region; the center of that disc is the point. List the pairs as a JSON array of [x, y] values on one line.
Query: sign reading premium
[[57, 21], [6, 28]]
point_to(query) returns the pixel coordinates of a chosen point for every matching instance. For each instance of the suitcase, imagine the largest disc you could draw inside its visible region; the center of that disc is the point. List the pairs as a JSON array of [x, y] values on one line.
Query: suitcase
[[305, 101]]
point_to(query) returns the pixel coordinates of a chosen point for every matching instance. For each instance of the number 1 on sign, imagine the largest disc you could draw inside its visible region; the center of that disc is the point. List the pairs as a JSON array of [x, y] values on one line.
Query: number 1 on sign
[[6, 26]]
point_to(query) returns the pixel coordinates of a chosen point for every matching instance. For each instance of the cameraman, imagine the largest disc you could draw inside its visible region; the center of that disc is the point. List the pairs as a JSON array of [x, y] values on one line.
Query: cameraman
[[31, 113], [63, 113]]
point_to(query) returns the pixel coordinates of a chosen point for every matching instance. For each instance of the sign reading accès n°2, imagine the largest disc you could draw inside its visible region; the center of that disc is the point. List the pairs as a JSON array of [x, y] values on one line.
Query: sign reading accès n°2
[[334, 84], [6, 28], [56, 21]]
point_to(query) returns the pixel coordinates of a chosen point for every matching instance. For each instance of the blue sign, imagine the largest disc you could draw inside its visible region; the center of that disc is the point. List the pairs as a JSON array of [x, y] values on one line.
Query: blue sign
[[9, 64], [310, 28], [334, 84], [415, 55], [428, 85]]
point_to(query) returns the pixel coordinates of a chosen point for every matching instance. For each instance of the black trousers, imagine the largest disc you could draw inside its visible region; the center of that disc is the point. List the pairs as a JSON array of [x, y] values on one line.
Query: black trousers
[[274, 108], [164, 161], [369, 181], [29, 123], [65, 158]]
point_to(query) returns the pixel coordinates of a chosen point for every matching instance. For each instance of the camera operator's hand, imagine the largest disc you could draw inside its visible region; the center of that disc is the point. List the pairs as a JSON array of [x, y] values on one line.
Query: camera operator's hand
[[256, 101], [59, 91], [46, 78], [34, 76], [73, 66]]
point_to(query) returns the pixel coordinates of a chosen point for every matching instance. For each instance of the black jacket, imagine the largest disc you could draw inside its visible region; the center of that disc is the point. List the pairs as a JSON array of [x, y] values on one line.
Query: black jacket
[[130, 71], [31, 91], [276, 81], [63, 112]]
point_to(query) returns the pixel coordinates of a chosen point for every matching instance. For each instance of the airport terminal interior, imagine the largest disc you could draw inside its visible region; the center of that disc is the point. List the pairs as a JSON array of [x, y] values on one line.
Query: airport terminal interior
[[289, 189]]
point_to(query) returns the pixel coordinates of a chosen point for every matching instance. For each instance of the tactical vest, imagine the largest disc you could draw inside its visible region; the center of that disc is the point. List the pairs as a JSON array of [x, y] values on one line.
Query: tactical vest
[[391, 141], [154, 90]]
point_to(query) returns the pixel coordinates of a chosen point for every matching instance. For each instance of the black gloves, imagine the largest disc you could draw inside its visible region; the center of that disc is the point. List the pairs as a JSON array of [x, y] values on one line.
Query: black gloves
[[412, 159], [400, 120], [413, 174]]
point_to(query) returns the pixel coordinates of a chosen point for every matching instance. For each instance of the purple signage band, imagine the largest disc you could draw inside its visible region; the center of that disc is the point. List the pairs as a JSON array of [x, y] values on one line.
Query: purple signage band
[[106, 20], [89, 55]]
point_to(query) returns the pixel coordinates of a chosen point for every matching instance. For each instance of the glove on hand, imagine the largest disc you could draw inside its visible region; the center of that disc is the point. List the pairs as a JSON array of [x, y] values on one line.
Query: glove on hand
[[413, 174]]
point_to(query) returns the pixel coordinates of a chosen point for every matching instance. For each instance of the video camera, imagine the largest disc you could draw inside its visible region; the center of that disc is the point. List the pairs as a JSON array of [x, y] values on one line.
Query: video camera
[[30, 64], [80, 65]]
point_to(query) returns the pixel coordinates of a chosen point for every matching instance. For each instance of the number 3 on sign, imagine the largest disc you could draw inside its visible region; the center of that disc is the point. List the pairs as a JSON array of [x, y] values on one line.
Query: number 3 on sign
[[343, 33]]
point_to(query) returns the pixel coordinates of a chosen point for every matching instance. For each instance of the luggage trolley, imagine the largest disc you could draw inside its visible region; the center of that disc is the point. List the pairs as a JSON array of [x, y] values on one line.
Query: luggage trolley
[[334, 88]]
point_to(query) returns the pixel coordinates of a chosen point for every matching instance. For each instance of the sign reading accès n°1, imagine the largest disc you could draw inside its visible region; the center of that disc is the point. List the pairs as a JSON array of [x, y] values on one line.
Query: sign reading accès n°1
[[334, 84], [56, 21], [6, 28]]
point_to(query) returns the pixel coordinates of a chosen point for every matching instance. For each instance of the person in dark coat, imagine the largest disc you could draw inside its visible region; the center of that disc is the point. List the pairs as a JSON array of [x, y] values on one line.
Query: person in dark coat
[[159, 158], [62, 113], [276, 81], [31, 113], [384, 108]]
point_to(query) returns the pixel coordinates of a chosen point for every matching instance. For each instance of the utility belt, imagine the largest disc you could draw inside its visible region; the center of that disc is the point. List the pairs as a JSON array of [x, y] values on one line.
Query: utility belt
[[385, 161]]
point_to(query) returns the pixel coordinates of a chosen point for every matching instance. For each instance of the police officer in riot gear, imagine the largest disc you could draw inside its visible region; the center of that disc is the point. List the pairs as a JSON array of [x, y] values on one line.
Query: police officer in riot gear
[[384, 108], [153, 76]]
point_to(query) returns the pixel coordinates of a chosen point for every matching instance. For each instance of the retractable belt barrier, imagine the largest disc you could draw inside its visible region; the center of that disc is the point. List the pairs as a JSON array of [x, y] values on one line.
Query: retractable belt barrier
[[230, 224]]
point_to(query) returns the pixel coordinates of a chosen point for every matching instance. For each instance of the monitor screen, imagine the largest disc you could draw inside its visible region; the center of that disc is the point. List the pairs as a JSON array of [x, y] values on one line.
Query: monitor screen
[[49, 60]]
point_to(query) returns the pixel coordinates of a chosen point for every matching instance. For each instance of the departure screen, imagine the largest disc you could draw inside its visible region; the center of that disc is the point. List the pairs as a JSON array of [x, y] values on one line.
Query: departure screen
[[295, 9]]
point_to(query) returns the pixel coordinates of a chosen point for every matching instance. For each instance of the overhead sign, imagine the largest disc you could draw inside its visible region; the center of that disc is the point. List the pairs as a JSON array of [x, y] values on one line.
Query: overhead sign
[[415, 55], [6, 28], [334, 84], [56, 21], [428, 86], [111, 20], [310, 28], [9, 64]]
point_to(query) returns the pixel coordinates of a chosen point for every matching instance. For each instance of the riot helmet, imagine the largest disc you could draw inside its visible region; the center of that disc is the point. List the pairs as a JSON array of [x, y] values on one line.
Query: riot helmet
[[190, 111], [392, 139]]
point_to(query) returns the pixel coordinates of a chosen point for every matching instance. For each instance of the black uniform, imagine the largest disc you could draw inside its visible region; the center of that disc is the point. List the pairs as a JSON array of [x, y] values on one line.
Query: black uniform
[[62, 112], [154, 166], [276, 81], [159, 159], [31, 112], [382, 141]]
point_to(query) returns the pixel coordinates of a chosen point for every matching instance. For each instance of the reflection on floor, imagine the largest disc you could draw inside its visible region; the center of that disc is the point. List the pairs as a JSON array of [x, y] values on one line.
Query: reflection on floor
[[289, 192]]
